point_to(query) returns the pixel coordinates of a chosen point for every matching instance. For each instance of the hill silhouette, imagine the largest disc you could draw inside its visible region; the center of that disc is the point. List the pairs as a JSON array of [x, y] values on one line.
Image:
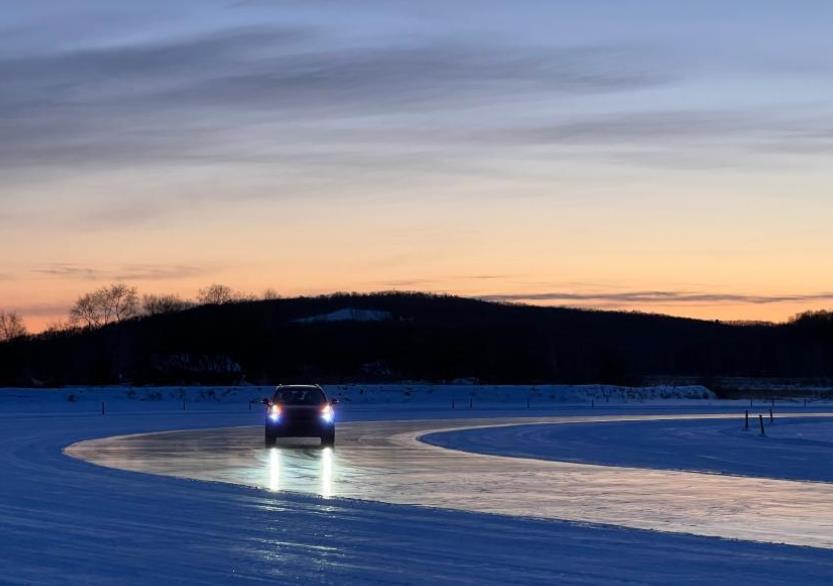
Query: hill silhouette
[[403, 336]]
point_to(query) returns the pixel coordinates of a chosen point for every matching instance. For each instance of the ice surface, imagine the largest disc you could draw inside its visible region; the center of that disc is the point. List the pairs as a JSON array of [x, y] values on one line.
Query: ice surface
[[793, 448], [65, 521], [384, 461]]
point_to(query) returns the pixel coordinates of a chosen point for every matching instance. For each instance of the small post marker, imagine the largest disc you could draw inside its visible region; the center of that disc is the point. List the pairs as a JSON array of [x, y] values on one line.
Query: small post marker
[[761, 419], [102, 407], [592, 403], [183, 405], [527, 402], [746, 422], [471, 402]]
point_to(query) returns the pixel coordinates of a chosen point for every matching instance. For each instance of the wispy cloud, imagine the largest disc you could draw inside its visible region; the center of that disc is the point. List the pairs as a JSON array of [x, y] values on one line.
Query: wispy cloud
[[209, 97], [186, 98], [660, 297], [682, 138], [40, 310], [135, 272], [641, 127], [432, 281]]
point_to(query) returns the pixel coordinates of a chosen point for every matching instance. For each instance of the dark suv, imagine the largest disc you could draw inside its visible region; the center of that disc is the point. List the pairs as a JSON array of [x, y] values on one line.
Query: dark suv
[[300, 411]]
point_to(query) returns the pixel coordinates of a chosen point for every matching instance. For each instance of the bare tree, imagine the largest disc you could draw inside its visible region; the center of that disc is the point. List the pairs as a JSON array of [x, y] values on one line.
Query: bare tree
[[217, 295], [57, 326], [159, 304], [11, 326], [105, 306], [270, 294]]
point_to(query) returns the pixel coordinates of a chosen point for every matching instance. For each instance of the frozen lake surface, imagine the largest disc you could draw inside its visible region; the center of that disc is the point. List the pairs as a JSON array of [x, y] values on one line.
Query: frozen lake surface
[[793, 448], [384, 461], [67, 521]]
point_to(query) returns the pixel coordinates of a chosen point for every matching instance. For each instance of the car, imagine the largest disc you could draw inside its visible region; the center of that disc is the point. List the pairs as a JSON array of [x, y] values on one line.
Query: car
[[300, 411]]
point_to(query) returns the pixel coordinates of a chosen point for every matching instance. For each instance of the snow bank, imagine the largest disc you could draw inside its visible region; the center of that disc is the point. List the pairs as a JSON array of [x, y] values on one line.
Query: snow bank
[[184, 397]]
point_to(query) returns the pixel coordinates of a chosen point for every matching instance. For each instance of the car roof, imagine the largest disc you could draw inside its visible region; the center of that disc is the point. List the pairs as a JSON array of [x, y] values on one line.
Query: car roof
[[298, 387]]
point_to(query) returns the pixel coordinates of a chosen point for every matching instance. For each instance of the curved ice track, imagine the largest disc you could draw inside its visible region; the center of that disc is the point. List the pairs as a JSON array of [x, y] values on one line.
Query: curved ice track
[[66, 521], [385, 461]]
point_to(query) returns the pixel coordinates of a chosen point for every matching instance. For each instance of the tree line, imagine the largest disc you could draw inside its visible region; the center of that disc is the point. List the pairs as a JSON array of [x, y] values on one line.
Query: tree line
[[11, 326], [117, 302], [427, 337]]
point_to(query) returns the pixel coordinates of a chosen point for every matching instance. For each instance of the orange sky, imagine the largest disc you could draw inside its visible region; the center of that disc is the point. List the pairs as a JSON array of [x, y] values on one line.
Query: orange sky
[[527, 151], [726, 255]]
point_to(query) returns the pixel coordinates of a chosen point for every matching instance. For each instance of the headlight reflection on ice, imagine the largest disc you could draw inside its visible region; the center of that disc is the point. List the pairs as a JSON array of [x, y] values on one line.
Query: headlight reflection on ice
[[326, 472], [274, 469], [299, 469]]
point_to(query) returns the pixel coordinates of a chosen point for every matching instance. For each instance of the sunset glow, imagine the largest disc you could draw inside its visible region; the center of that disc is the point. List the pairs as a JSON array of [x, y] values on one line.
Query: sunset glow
[[531, 152]]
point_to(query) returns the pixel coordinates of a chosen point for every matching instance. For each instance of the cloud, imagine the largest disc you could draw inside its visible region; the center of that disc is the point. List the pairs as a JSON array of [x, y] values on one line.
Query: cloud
[[425, 281], [198, 97], [103, 104], [370, 77], [127, 212], [660, 297], [40, 310], [681, 138], [816, 139], [133, 272], [641, 127]]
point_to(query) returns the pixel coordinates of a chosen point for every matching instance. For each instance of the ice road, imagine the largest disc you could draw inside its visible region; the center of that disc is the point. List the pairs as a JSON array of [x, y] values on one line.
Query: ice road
[[67, 521], [385, 461]]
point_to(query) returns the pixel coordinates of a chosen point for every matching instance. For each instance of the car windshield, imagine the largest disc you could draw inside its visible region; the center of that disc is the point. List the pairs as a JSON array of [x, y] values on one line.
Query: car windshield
[[300, 396]]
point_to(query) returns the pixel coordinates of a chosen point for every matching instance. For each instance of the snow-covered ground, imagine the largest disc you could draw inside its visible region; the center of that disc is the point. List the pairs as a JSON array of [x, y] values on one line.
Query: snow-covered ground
[[347, 314], [459, 396], [792, 448], [65, 521]]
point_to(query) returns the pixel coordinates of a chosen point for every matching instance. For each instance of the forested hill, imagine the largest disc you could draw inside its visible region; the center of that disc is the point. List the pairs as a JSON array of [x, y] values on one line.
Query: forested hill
[[393, 336]]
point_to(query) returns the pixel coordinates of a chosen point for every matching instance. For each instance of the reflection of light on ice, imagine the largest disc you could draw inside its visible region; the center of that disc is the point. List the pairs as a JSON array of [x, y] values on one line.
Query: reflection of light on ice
[[385, 461], [274, 469], [327, 472]]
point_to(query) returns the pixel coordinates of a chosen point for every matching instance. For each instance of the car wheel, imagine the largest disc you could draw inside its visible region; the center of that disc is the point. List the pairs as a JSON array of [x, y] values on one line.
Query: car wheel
[[329, 438]]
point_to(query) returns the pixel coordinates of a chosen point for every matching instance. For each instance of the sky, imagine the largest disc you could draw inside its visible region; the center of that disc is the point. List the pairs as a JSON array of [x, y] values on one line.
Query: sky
[[646, 155]]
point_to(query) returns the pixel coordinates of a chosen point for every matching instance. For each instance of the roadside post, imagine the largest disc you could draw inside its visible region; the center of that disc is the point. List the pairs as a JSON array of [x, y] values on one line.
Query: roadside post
[[761, 419]]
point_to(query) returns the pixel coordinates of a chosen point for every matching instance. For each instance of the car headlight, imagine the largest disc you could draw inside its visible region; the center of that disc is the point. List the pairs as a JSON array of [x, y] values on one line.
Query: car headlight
[[327, 413], [275, 412]]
